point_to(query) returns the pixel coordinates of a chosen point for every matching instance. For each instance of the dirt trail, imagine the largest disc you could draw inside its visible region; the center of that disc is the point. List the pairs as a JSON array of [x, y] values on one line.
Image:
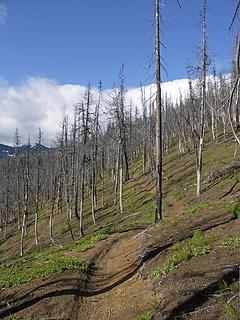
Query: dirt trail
[[117, 266], [116, 263], [114, 287]]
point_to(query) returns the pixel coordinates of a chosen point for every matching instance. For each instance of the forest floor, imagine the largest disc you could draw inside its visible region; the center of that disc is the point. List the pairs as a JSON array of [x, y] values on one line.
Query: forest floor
[[187, 267]]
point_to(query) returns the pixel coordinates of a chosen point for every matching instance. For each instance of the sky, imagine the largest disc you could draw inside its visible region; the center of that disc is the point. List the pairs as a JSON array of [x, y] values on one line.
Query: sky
[[50, 49]]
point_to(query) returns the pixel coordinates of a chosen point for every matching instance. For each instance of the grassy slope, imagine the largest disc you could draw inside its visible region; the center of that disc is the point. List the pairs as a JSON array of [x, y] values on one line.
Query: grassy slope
[[139, 195]]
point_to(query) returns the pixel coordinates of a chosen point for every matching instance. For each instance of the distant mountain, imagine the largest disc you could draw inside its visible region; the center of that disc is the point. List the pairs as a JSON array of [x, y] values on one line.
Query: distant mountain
[[39, 147], [6, 150]]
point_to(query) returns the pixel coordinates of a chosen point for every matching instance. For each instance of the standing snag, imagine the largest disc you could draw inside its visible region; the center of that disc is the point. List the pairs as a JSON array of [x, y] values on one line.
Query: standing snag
[[159, 164]]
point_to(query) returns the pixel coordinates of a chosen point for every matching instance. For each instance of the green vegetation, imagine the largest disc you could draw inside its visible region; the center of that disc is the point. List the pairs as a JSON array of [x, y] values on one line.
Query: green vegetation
[[179, 195], [223, 285], [214, 159], [234, 287], [236, 210], [13, 317], [88, 242], [146, 316], [195, 208], [231, 241], [198, 245], [230, 311], [150, 313], [148, 216], [233, 208], [181, 292], [41, 265]]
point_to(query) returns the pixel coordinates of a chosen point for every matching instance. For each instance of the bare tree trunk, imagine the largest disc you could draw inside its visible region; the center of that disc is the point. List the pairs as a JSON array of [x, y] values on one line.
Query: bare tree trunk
[[213, 124], [224, 121], [52, 210], [93, 197], [23, 228], [74, 160], [158, 215], [116, 174], [235, 88], [26, 197], [7, 198], [66, 166], [237, 107], [85, 123], [203, 102], [16, 145], [103, 178], [151, 162], [121, 185], [144, 131], [82, 201], [59, 195], [38, 189]]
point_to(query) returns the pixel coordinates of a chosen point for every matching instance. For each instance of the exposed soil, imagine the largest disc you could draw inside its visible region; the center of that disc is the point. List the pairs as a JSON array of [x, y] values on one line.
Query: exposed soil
[[117, 284]]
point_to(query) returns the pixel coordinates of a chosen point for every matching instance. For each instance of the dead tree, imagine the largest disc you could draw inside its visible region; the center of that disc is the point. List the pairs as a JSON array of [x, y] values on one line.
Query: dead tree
[[204, 58], [236, 12], [144, 127], [85, 111], [159, 163], [26, 198], [235, 89], [95, 134], [121, 119], [52, 206], [16, 146], [38, 186]]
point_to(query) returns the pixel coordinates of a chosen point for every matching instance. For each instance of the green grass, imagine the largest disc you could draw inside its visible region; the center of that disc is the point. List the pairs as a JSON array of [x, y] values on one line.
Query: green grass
[[223, 285], [146, 316], [231, 241], [236, 210], [40, 264], [222, 151], [179, 195], [88, 242], [14, 317], [198, 245], [182, 292], [230, 311], [234, 287], [36, 266], [233, 208], [147, 217], [195, 208]]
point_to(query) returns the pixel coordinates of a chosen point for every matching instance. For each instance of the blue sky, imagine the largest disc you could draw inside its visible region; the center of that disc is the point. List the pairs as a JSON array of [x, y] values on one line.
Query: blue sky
[[50, 50], [77, 41]]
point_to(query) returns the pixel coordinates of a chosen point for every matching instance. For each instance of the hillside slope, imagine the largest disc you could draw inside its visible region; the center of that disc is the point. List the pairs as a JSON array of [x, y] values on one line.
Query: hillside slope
[[187, 267]]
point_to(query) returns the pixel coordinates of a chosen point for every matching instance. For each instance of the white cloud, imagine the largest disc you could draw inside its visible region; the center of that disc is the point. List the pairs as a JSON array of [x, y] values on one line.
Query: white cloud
[[40, 102], [172, 89], [3, 13]]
